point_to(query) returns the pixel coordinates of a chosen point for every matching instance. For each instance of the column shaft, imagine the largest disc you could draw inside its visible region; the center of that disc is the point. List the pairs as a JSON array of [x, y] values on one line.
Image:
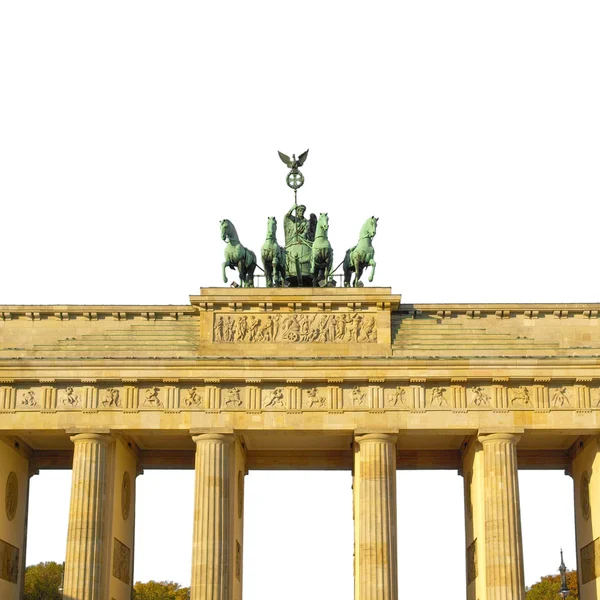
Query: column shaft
[[376, 558], [85, 539], [503, 543], [211, 560]]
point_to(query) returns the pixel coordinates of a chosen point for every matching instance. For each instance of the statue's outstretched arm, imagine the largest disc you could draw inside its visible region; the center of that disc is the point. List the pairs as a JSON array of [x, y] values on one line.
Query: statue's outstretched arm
[[289, 212]]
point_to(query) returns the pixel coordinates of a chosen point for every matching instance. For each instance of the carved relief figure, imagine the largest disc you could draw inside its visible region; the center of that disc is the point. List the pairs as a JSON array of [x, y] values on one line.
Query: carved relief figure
[[295, 327], [560, 397], [397, 395], [111, 398], [121, 561], [358, 397], [314, 398], [437, 395], [9, 562], [481, 398], [152, 396], [12, 496], [193, 398], [275, 398], [71, 398], [521, 396], [233, 397], [29, 398]]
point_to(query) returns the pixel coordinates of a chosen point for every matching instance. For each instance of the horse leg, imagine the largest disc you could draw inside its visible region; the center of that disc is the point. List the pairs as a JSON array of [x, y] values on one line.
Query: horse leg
[[298, 272], [224, 274], [250, 275], [269, 268], [357, 271], [372, 263], [242, 271]]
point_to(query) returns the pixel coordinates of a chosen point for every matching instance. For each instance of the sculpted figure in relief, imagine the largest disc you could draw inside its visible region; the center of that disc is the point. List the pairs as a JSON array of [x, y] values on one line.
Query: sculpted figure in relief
[[71, 398], [398, 395], [233, 397], [560, 397], [29, 398], [275, 398], [112, 397], [521, 396], [358, 397], [437, 395], [152, 396], [295, 328], [193, 398], [481, 398], [314, 398]]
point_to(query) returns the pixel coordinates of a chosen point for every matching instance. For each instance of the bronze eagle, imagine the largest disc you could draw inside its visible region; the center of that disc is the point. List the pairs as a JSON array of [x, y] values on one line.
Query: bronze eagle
[[293, 163]]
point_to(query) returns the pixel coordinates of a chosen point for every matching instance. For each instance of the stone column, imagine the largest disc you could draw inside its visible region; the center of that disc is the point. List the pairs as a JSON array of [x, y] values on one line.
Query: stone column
[[85, 540], [212, 568], [502, 519], [375, 536]]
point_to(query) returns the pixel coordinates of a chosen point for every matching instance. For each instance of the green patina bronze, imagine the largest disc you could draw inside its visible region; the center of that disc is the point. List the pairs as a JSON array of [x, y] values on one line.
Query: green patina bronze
[[362, 255], [273, 257], [237, 256], [307, 259]]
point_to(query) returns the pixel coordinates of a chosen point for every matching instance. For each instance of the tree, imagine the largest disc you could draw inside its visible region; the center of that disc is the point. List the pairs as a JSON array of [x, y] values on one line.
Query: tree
[[42, 581], [160, 590], [547, 588]]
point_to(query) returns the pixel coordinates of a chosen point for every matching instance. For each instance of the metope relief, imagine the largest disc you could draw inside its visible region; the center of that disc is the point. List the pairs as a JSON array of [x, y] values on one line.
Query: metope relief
[[521, 397], [111, 398], [232, 397], [560, 398], [358, 397], [438, 397], [295, 328], [151, 397], [193, 398], [315, 398], [70, 398], [273, 398], [396, 398], [28, 398], [479, 397]]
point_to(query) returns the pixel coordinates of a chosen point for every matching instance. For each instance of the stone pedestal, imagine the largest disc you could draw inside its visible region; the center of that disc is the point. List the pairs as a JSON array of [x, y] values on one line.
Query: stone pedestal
[[218, 518], [494, 545], [585, 469], [86, 539], [375, 537]]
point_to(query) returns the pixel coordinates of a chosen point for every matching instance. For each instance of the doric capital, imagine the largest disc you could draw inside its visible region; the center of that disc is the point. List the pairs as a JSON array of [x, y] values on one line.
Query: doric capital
[[387, 438], [101, 438], [486, 438], [224, 438]]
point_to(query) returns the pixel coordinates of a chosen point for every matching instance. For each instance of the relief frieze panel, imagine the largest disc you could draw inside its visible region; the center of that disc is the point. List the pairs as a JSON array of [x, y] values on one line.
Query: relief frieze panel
[[9, 562], [299, 395], [296, 328]]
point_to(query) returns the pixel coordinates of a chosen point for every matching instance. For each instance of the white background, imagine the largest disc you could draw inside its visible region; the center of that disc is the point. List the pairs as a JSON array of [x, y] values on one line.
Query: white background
[[471, 129]]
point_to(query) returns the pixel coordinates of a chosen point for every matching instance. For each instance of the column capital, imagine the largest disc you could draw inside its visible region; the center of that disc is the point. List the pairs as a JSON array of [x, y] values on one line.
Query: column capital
[[511, 438], [385, 437], [225, 438], [103, 438]]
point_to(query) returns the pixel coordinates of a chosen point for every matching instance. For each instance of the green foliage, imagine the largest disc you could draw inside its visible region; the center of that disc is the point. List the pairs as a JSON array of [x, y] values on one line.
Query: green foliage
[[547, 588], [42, 581], [160, 590]]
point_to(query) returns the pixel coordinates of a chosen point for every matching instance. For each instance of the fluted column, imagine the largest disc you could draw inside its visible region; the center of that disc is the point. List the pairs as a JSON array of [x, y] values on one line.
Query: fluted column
[[213, 516], [85, 539], [376, 558], [503, 544]]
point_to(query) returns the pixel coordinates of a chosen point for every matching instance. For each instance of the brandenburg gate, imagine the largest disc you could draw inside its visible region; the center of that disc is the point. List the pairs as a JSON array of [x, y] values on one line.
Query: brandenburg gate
[[297, 378]]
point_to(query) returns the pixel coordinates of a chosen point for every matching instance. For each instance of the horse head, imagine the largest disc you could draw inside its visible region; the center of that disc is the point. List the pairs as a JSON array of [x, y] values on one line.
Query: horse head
[[369, 229], [271, 227], [323, 223], [228, 231]]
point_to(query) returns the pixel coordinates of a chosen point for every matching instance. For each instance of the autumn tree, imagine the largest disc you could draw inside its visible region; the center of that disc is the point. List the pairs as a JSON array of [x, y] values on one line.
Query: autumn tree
[[160, 590], [548, 587], [42, 581]]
